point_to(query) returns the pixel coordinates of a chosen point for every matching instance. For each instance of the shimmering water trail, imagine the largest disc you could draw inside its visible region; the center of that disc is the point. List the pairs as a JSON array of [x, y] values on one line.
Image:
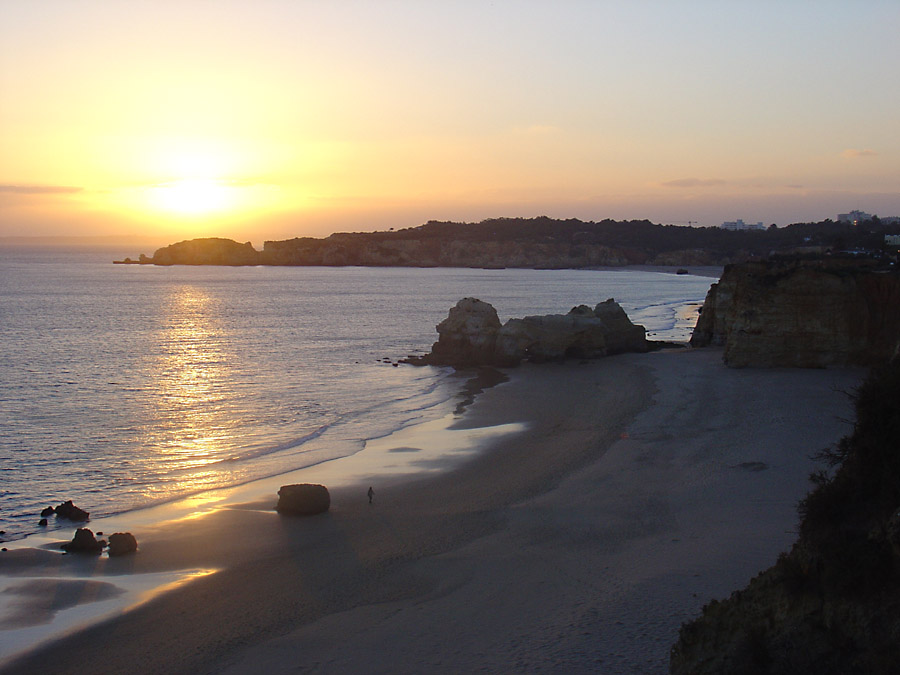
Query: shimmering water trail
[[125, 386]]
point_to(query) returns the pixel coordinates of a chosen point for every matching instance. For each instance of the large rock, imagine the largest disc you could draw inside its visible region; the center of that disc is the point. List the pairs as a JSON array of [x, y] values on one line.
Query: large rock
[[806, 314], [472, 335], [83, 542], [303, 499], [468, 335], [122, 543], [69, 511]]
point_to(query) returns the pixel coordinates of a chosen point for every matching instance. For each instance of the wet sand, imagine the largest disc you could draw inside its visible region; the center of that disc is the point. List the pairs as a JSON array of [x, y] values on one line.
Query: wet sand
[[644, 486]]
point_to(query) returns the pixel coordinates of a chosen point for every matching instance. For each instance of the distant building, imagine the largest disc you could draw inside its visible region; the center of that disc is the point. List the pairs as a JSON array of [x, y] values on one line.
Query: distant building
[[855, 217], [741, 225]]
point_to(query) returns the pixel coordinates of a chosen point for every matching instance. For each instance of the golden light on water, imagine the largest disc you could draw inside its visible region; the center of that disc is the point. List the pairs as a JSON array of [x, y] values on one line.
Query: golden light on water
[[192, 420]]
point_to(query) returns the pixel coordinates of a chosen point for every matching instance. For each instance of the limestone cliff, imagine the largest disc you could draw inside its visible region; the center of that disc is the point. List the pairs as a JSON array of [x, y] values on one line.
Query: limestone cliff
[[472, 335], [806, 314], [539, 242], [365, 250], [212, 251], [831, 605]]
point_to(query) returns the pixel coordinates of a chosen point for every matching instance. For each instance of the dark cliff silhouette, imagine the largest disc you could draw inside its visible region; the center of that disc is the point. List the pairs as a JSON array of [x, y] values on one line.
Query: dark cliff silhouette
[[530, 243]]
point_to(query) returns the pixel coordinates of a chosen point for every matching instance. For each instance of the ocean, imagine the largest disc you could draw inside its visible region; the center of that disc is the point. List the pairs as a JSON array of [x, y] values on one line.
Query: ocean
[[124, 386]]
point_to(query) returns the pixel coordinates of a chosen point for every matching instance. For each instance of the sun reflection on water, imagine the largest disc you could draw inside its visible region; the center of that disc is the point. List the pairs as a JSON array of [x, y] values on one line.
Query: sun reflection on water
[[193, 421]]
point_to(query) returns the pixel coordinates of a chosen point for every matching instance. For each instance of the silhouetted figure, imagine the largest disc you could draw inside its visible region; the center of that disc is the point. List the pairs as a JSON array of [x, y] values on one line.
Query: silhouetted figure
[[371, 494]]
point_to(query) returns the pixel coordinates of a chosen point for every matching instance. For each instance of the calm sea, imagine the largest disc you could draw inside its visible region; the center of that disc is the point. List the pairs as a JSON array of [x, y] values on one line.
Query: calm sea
[[123, 386]]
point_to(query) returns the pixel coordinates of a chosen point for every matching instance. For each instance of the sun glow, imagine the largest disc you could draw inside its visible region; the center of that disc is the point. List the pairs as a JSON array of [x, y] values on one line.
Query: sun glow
[[194, 196]]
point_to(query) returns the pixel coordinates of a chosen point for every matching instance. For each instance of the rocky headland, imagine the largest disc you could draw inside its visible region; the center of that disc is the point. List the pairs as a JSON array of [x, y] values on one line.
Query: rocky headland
[[811, 314], [542, 242], [472, 335], [832, 604]]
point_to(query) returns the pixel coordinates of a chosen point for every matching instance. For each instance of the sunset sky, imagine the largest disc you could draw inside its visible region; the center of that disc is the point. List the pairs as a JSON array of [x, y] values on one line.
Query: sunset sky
[[273, 119]]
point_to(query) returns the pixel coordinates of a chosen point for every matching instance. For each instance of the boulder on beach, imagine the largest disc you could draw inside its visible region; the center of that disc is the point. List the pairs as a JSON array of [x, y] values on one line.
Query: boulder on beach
[[69, 511], [83, 542], [122, 543], [303, 499]]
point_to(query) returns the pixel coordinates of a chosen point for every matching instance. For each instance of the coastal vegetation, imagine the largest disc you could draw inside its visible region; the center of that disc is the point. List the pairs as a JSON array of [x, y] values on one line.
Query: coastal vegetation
[[832, 604], [540, 242]]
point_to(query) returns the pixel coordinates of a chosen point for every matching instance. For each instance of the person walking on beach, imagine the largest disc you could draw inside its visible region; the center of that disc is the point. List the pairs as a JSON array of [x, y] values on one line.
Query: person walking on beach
[[371, 494]]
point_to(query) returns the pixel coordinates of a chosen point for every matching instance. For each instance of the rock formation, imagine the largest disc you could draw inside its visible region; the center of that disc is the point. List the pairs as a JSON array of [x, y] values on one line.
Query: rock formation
[[832, 604], [83, 542], [122, 543], [303, 499], [540, 242], [472, 336], [468, 335], [211, 251], [69, 511], [806, 314]]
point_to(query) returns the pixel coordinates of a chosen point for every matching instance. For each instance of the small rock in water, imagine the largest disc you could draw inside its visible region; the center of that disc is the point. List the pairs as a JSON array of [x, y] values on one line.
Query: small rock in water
[[49, 511], [42, 522], [69, 511]]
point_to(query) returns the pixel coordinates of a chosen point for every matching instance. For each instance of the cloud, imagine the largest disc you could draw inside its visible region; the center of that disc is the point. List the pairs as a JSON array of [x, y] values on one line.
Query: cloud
[[850, 153], [39, 189], [694, 182]]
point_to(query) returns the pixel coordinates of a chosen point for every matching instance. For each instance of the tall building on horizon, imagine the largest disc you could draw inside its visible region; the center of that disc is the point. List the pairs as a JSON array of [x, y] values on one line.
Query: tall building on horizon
[[741, 225], [855, 217]]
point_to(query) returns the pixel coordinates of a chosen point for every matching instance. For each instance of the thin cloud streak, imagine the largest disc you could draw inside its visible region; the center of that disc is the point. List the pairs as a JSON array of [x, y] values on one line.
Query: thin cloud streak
[[40, 189], [851, 153]]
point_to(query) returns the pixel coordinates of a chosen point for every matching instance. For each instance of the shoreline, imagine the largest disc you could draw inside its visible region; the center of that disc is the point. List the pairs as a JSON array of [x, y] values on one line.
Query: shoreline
[[583, 543]]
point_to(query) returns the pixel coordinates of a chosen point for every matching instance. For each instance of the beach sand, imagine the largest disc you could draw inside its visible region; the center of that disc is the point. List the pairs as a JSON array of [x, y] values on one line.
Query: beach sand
[[644, 486]]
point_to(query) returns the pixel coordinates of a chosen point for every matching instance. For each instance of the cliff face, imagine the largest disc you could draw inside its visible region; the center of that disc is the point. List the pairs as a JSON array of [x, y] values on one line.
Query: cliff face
[[540, 242], [211, 251], [366, 251], [802, 314], [832, 604]]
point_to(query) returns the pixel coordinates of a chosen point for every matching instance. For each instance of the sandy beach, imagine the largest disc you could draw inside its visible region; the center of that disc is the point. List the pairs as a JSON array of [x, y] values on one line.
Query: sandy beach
[[643, 486]]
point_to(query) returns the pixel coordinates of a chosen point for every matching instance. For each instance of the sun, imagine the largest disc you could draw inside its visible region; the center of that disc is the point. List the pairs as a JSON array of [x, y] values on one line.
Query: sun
[[194, 196]]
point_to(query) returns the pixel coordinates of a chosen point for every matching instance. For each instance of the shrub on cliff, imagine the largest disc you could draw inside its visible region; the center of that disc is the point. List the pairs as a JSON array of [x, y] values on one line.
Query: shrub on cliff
[[832, 604]]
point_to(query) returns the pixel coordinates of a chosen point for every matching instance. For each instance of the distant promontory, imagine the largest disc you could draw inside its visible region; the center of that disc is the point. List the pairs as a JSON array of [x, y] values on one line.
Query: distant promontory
[[542, 243]]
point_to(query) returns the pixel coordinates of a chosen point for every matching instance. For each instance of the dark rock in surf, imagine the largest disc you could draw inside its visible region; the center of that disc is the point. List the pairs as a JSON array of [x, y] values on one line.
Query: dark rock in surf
[[49, 511], [83, 542], [303, 499], [69, 511]]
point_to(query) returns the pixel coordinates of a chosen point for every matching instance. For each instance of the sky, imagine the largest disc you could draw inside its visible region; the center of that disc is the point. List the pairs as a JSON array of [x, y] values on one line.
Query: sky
[[268, 119]]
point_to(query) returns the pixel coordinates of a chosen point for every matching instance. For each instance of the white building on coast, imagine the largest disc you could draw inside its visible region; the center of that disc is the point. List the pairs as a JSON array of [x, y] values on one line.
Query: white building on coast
[[741, 225], [855, 217]]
